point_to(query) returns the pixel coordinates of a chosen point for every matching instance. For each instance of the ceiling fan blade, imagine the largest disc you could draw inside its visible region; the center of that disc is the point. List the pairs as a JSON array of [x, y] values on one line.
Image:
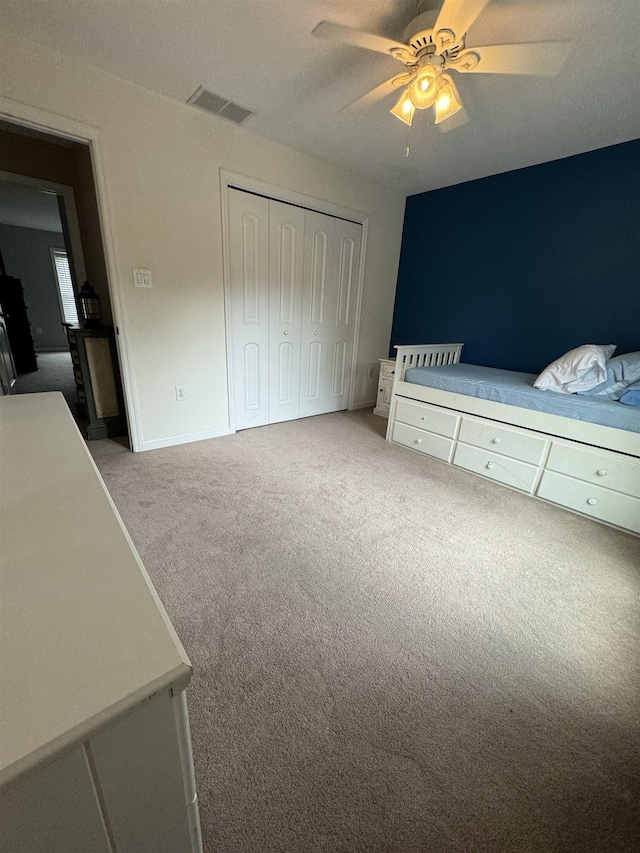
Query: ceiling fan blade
[[380, 92], [544, 59], [358, 38], [458, 16]]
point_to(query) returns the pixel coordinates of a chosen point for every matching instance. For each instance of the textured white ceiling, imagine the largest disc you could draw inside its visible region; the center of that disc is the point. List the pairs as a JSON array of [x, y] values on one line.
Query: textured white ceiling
[[28, 207], [261, 55]]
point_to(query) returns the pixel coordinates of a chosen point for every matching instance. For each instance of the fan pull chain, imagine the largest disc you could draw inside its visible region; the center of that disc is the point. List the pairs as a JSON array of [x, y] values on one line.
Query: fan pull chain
[[408, 148]]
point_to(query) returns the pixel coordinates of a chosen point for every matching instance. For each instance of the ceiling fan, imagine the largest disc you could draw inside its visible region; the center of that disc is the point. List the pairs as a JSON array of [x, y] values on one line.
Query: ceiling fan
[[435, 44]]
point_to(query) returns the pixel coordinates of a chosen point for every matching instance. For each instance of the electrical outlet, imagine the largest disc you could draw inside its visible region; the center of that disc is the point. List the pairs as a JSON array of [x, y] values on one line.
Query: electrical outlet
[[181, 392], [370, 373], [38, 330]]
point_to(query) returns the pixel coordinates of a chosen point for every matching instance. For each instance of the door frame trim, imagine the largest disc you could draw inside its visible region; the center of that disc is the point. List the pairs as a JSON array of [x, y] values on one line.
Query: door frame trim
[[37, 119], [234, 180]]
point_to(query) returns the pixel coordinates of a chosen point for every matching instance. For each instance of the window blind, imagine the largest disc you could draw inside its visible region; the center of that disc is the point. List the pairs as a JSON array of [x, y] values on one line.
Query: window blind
[[65, 286]]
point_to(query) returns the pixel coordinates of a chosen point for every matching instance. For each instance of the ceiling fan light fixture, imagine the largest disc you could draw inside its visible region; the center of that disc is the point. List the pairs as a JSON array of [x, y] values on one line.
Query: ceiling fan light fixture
[[424, 88], [435, 42], [404, 109], [447, 104]]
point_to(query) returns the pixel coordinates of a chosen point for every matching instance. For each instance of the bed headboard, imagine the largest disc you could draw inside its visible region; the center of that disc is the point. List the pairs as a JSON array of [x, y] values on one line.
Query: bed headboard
[[425, 355]]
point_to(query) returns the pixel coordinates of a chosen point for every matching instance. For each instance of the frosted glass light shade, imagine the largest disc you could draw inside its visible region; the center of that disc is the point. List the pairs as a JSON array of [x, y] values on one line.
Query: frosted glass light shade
[[446, 102], [424, 88], [404, 109]]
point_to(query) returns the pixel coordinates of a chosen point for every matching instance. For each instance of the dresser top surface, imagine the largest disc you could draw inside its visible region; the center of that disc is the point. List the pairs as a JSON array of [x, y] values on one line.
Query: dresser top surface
[[84, 635]]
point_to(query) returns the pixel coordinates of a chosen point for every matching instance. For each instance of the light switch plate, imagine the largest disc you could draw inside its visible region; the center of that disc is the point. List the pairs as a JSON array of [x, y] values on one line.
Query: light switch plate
[[142, 278]]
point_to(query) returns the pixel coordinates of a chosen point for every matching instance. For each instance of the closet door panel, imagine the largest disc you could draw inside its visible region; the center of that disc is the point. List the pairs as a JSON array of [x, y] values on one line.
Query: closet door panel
[[339, 378], [314, 386], [317, 283], [293, 292], [286, 246], [249, 308], [342, 313]]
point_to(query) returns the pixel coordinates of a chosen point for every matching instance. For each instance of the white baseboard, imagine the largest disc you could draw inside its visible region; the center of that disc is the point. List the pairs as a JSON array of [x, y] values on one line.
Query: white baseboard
[[155, 444], [368, 405]]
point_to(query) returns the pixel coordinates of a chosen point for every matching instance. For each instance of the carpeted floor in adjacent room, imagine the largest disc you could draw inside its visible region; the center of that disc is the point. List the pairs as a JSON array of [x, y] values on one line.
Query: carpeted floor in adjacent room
[[54, 373], [389, 653]]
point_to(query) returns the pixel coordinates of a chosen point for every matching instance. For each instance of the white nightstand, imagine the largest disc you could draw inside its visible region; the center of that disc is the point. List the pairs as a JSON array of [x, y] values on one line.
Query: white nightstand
[[385, 386]]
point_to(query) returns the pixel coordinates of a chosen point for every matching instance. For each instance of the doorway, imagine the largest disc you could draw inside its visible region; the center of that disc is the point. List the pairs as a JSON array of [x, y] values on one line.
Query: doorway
[[50, 247], [36, 285]]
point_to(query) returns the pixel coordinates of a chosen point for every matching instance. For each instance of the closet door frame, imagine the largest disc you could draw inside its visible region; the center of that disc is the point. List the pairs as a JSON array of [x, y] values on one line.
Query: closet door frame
[[233, 180]]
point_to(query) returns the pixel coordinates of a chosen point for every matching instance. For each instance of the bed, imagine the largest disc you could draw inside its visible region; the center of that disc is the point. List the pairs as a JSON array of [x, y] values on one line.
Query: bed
[[582, 453]]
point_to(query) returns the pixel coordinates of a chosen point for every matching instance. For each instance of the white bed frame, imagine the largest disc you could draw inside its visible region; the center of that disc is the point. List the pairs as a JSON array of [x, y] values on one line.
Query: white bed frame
[[588, 468]]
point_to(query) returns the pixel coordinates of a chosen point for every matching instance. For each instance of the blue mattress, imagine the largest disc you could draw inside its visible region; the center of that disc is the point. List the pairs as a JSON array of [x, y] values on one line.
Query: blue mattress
[[516, 389]]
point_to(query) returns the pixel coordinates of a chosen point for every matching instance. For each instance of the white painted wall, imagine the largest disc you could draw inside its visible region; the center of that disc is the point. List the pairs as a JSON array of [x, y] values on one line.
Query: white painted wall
[[162, 164]]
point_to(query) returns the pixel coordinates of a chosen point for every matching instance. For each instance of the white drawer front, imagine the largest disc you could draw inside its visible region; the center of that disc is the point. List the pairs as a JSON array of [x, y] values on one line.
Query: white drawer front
[[388, 370], [512, 472], [425, 442], [591, 500], [603, 469], [427, 417], [507, 442]]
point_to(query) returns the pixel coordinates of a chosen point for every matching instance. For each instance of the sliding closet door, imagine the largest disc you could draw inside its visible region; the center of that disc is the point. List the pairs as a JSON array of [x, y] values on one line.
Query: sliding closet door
[[249, 307], [286, 243], [342, 313]]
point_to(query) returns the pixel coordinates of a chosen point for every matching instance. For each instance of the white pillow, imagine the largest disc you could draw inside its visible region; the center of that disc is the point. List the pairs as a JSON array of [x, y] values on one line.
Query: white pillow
[[579, 369]]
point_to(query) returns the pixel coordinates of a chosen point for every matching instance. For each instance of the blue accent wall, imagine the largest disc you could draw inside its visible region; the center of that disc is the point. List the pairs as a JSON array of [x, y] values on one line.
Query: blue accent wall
[[523, 266]]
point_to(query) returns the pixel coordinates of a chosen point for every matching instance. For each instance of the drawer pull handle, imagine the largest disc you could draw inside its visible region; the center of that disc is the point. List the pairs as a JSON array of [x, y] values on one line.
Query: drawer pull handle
[[592, 501], [601, 472], [286, 332], [495, 441], [418, 441], [422, 418], [489, 465]]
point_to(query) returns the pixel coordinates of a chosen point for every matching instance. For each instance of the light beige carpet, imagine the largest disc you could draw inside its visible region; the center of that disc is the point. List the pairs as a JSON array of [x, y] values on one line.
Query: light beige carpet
[[390, 654]]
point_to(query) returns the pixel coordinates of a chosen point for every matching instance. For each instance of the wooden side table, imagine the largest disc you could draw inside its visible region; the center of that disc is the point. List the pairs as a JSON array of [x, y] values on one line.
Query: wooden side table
[[100, 400]]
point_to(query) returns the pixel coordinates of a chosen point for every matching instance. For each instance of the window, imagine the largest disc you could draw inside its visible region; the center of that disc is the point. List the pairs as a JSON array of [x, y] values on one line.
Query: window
[[65, 286]]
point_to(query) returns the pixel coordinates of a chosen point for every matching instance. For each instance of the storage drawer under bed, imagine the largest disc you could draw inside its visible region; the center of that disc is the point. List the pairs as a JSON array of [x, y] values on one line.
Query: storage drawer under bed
[[589, 499], [518, 444], [423, 441], [511, 472], [427, 417], [603, 469]]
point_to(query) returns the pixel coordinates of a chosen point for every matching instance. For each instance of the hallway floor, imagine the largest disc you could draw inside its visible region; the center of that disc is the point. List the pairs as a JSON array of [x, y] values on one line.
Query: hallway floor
[[55, 373]]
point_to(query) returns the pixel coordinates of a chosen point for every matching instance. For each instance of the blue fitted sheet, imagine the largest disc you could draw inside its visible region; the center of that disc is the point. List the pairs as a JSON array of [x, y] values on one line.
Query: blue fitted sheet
[[516, 389]]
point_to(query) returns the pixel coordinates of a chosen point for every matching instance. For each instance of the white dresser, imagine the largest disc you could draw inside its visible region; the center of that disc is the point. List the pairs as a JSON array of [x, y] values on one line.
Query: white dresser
[[602, 484], [95, 752]]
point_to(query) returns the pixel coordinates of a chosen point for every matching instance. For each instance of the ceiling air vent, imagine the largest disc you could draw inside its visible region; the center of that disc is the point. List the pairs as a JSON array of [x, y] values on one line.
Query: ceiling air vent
[[219, 106]]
